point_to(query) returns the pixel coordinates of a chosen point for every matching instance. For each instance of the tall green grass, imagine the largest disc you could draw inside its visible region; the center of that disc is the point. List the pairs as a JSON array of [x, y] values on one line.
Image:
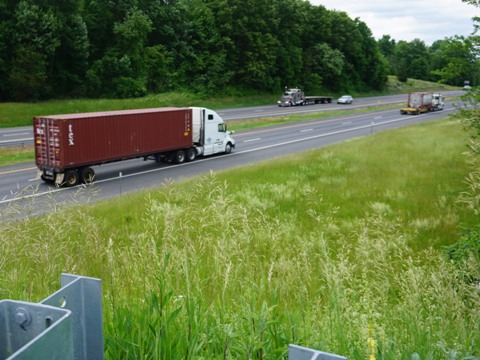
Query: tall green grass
[[325, 249]]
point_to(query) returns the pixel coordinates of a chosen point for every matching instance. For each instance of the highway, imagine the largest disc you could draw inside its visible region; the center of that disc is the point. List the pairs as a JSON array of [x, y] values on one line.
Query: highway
[[21, 190], [16, 136], [24, 135]]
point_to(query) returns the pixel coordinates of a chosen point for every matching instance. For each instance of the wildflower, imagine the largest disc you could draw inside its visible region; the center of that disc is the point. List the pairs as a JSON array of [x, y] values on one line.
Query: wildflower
[[372, 344]]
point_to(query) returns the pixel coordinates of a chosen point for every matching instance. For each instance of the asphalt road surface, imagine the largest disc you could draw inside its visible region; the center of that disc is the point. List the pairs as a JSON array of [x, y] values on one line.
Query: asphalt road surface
[[22, 191], [24, 135]]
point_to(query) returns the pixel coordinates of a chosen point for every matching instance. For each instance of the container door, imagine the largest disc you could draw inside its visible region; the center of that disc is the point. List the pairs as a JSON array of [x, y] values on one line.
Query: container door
[[47, 143]]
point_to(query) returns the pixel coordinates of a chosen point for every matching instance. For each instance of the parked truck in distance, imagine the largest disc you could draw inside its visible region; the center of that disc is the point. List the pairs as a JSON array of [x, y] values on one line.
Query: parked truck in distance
[[292, 97], [67, 146], [421, 102]]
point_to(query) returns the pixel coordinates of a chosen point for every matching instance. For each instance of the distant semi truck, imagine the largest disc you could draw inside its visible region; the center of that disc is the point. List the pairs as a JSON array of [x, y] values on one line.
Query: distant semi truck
[[67, 146], [421, 102], [292, 97]]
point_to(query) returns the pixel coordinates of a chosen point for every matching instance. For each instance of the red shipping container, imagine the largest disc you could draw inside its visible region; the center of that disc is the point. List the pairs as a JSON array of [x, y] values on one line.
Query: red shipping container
[[77, 140]]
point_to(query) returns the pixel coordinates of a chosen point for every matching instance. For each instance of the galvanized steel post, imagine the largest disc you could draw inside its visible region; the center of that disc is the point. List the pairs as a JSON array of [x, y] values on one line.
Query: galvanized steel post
[[67, 325], [296, 352]]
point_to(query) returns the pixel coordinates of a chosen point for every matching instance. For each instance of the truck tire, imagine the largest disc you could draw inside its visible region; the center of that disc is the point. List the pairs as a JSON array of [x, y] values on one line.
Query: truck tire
[[72, 178], [228, 148], [45, 179], [191, 154], [87, 175], [179, 157]]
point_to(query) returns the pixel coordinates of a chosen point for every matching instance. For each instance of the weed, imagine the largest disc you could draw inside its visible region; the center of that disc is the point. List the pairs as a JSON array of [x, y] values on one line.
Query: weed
[[241, 263]]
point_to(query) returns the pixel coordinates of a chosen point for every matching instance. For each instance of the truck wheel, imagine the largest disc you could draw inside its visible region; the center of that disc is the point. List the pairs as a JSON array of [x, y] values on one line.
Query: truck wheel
[[191, 154], [87, 175], [179, 157], [71, 178], [45, 179], [228, 148]]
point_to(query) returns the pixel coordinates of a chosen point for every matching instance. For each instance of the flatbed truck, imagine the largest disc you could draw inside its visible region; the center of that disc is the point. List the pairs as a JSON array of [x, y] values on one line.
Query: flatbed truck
[[295, 96]]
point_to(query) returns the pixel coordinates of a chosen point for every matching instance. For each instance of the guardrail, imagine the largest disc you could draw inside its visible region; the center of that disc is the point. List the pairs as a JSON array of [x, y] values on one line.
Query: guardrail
[[67, 325]]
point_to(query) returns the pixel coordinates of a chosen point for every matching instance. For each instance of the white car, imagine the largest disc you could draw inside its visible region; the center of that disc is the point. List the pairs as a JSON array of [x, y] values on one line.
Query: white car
[[345, 99]]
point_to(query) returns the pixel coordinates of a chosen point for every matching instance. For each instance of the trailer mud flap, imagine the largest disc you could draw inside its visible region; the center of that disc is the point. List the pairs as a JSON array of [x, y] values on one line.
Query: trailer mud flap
[[59, 178]]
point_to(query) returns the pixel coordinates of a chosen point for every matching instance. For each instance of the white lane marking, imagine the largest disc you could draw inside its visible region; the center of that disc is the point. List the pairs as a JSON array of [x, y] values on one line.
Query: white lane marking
[[347, 123], [250, 140], [24, 133], [17, 140], [305, 130], [7, 130]]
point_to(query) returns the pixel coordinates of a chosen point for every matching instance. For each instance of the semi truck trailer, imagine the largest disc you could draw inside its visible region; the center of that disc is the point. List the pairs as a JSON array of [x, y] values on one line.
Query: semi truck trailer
[[291, 97], [68, 146], [421, 102]]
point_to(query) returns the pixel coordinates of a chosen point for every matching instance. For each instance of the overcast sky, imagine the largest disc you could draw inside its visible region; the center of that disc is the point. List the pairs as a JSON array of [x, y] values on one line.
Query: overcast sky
[[427, 20]]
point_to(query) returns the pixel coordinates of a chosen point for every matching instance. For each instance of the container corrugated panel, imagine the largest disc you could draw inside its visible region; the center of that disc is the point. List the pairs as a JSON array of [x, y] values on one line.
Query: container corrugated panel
[[71, 140]]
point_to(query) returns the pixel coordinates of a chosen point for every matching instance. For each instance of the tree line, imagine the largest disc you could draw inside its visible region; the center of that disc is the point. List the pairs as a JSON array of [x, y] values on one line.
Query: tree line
[[451, 60], [128, 48]]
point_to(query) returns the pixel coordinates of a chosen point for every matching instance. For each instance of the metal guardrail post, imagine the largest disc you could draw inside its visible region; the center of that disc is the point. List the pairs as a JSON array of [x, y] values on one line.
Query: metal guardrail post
[[67, 325], [296, 352]]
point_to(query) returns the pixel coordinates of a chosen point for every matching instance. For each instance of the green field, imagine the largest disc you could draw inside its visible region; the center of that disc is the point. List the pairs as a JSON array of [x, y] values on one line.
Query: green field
[[324, 249]]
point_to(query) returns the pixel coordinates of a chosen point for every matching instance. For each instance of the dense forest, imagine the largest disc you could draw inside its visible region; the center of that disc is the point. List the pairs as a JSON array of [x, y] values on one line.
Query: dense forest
[[128, 48]]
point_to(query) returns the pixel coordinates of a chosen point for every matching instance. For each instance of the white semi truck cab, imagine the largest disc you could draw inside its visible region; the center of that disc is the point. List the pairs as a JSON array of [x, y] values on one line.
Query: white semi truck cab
[[210, 134]]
